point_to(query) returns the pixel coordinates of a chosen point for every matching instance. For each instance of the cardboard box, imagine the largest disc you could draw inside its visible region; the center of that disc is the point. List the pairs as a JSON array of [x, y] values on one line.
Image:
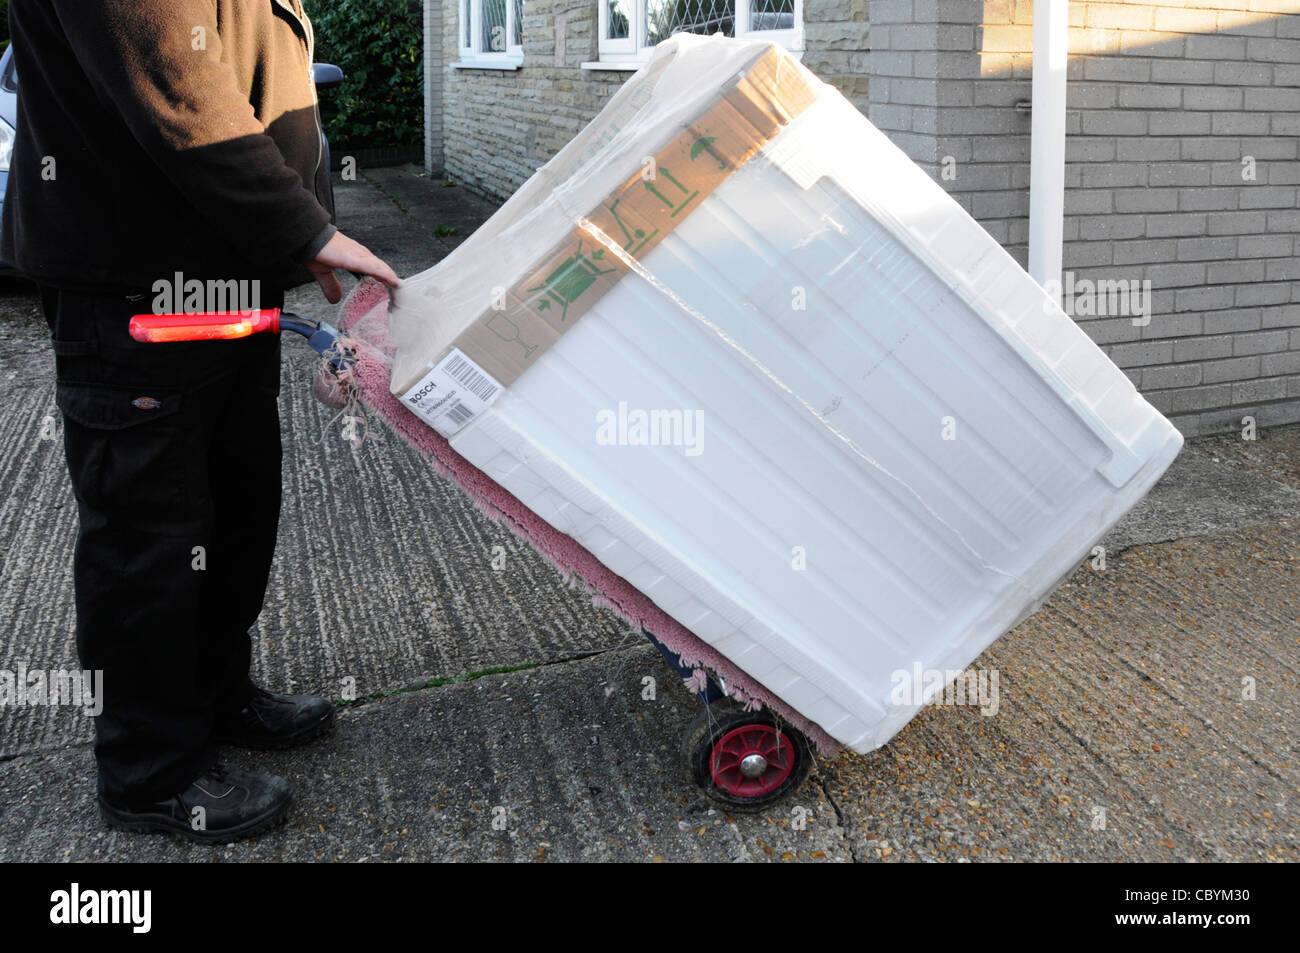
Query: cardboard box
[[667, 149]]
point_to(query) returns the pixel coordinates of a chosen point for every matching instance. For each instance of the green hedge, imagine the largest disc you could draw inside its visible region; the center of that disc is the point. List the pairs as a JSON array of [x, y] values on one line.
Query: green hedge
[[379, 45], [4, 25]]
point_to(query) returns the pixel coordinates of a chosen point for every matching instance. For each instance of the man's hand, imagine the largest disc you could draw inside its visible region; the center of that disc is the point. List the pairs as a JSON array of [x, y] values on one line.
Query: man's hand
[[342, 252]]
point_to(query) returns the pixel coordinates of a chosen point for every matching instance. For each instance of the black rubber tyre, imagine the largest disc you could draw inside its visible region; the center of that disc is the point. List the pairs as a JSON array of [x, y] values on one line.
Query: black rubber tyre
[[712, 726]]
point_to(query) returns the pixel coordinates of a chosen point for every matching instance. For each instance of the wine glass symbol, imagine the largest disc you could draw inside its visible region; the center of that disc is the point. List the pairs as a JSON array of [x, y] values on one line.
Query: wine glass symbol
[[495, 325]]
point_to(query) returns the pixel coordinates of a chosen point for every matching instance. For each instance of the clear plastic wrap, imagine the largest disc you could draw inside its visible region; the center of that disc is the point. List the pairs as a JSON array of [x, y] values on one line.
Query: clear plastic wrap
[[815, 416]]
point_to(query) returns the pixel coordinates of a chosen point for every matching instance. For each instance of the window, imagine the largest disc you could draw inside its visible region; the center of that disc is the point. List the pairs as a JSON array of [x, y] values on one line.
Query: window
[[630, 28], [491, 33]]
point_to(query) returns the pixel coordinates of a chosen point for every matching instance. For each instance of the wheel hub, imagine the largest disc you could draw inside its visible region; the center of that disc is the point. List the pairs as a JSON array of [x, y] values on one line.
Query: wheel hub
[[752, 760]]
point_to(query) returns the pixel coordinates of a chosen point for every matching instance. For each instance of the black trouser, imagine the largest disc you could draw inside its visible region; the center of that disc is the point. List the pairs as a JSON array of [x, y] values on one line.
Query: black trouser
[[174, 454]]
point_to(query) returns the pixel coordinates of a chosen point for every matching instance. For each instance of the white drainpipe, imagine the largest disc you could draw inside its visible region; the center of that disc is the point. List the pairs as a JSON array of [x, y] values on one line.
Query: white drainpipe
[[1047, 143]]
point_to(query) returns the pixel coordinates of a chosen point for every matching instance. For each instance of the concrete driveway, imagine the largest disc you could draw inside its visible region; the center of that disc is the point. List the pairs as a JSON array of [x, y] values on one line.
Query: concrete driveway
[[503, 717]]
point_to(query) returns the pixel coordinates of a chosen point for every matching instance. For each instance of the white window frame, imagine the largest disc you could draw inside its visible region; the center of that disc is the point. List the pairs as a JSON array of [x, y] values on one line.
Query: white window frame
[[474, 56], [630, 52]]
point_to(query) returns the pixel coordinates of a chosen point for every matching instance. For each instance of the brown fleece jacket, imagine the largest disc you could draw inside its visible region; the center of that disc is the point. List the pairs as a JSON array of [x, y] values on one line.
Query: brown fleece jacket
[[164, 136]]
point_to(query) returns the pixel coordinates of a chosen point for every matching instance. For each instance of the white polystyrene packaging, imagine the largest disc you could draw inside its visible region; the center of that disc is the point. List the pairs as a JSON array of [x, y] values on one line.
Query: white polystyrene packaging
[[827, 423]]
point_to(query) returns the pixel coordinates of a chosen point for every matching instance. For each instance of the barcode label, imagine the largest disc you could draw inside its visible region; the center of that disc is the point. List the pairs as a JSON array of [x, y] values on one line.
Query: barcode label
[[453, 393], [460, 415], [463, 371]]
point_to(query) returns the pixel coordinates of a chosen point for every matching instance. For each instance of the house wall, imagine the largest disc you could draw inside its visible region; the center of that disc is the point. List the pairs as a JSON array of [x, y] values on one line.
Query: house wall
[[500, 125], [1181, 170], [495, 127]]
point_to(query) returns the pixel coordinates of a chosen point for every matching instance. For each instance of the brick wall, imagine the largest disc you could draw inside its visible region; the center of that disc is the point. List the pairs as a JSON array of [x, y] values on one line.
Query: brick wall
[[835, 41], [1169, 102], [433, 69], [498, 126], [921, 62]]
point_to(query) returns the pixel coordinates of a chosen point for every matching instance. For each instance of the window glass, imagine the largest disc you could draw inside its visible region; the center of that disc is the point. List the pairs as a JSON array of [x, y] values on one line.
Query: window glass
[[666, 17], [771, 14], [494, 26], [617, 24]]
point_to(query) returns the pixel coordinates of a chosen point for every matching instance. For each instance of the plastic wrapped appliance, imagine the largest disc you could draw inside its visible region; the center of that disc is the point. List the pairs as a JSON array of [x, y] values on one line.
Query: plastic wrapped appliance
[[737, 345]]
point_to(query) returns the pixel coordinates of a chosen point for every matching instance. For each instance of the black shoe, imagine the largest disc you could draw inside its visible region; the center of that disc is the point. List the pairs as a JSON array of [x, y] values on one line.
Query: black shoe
[[223, 805], [270, 720]]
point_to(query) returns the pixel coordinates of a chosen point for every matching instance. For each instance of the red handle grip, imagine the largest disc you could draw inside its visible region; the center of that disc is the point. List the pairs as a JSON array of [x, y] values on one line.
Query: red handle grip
[[207, 326]]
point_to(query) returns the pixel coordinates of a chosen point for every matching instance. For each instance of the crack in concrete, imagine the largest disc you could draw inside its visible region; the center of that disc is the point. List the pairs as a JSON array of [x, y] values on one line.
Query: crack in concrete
[[820, 781]]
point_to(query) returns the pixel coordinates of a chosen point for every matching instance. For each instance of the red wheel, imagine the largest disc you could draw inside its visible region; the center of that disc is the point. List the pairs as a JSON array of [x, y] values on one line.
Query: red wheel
[[745, 760], [752, 760]]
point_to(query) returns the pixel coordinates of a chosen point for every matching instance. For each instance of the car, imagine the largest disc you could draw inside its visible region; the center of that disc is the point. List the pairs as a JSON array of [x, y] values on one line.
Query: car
[[8, 122], [325, 76]]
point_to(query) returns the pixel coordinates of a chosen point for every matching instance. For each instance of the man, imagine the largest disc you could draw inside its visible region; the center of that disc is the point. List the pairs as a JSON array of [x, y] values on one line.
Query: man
[[173, 140]]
